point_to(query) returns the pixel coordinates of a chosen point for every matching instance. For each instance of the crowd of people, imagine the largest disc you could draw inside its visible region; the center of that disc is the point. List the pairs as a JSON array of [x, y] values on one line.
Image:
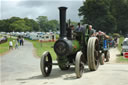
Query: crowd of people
[[19, 41], [114, 42]]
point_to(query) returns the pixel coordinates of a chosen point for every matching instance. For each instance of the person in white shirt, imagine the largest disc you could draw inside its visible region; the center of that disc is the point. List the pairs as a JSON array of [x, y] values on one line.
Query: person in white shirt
[[10, 45]]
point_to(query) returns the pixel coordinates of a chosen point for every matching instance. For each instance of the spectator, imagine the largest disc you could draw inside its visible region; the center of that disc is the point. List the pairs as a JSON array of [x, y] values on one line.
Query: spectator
[[115, 42], [18, 39], [115, 39], [10, 45], [16, 46], [22, 41]]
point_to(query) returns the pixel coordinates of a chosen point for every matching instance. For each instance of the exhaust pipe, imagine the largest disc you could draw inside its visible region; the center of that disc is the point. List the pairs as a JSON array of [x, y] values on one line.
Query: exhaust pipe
[[62, 11]]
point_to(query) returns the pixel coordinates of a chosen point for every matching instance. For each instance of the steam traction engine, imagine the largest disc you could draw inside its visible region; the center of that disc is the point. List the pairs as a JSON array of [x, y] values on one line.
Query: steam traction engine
[[80, 50]]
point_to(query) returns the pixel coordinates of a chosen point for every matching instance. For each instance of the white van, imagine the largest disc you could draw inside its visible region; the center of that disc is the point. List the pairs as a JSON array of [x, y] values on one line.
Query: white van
[[33, 36]]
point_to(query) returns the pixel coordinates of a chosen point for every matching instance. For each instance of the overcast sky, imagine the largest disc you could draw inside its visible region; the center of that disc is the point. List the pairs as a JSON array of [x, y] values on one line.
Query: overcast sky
[[34, 8]]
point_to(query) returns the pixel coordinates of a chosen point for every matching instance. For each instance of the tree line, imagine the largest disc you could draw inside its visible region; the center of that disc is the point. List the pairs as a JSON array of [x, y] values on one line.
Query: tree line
[[18, 24], [106, 15]]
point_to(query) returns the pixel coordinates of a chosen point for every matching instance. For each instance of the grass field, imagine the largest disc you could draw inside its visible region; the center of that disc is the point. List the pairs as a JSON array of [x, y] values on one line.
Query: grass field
[[121, 58], [46, 46], [4, 47]]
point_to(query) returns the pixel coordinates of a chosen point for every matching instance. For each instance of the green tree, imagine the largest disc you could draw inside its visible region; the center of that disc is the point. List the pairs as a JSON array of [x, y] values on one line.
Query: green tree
[[42, 21], [13, 19], [32, 24], [2, 25], [97, 13], [20, 26], [52, 25], [5, 24], [119, 9]]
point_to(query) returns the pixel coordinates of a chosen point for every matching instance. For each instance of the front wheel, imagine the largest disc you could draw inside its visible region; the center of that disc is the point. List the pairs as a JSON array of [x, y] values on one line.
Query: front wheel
[[79, 64], [46, 64], [107, 56], [93, 53], [102, 59]]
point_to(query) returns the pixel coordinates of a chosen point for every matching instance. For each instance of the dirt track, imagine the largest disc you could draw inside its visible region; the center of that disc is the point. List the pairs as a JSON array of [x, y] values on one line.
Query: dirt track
[[20, 67]]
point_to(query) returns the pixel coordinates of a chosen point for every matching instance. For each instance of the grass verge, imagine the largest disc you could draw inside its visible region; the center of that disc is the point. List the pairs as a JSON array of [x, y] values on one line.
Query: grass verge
[[46, 46], [121, 59]]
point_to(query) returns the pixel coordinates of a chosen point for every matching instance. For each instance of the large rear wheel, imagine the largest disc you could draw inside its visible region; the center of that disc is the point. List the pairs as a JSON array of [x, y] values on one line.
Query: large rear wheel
[[93, 53], [46, 64], [79, 64]]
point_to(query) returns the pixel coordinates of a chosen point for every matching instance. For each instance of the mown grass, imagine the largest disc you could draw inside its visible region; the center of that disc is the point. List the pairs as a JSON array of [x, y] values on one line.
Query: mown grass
[[121, 58], [4, 47], [46, 46]]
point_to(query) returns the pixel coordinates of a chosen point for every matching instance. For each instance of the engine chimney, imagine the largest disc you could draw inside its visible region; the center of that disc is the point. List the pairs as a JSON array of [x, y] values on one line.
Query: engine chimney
[[62, 22]]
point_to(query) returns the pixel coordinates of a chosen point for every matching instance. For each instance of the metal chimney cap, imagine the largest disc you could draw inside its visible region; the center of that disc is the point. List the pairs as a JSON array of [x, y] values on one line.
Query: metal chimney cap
[[62, 8]]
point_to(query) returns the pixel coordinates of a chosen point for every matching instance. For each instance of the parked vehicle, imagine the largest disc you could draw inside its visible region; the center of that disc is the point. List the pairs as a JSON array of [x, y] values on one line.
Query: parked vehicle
[[126, 36], [3, 39], [124, 46], [33, 36]]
